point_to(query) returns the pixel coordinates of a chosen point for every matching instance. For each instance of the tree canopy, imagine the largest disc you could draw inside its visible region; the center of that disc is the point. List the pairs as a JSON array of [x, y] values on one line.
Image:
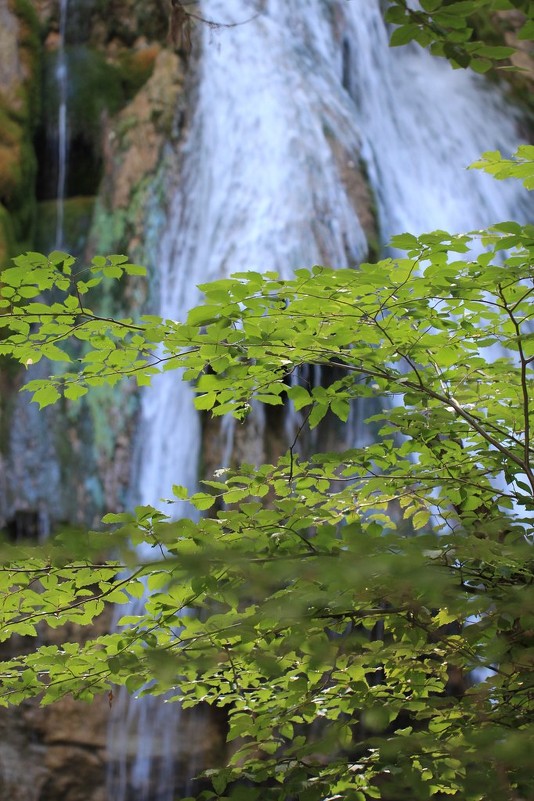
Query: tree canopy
[[365, 617]]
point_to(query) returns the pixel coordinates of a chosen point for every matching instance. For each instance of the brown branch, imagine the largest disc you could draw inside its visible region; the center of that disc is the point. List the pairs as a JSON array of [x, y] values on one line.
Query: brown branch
[[524, 385], [180, 25]]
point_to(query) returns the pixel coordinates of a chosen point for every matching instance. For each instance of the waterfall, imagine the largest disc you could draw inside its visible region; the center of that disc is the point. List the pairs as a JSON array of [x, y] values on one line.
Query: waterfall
[[62, 84], [34, 494], [287, 105], [422, 124]]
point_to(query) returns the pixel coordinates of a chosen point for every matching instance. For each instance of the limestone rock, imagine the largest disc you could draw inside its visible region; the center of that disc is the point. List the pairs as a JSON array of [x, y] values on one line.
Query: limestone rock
[[18, 71], [11, 72], [135, 139], [58, 751]]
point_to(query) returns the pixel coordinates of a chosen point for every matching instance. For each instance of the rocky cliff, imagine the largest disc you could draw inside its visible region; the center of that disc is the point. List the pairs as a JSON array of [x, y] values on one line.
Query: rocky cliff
[[73, 463]]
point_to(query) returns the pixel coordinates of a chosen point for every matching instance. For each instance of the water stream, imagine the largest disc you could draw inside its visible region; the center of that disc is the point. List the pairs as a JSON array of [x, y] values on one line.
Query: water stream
[[62, 84], [34, 493], [287, 105]]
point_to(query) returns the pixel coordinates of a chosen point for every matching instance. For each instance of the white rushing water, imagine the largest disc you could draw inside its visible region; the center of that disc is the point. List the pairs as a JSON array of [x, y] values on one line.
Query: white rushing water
[[287, 105]]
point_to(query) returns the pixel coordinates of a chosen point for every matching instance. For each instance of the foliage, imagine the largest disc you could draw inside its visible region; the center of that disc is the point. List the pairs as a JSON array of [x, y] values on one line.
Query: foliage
[[449, 29], [365, 617], [521, 166]]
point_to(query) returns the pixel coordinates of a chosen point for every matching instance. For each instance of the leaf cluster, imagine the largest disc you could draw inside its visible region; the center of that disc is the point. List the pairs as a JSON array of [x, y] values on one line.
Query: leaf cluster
[[449, 29], [365, 617]]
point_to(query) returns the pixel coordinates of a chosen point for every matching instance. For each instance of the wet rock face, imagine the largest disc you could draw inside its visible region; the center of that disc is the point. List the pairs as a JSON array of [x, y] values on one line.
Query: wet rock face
[[126, 20], [58, 752], [510, 23], [108, 51], [135, 138], [103, 22], [61, 752], [71, 749], [10, 65], [21, 760], [74, 463], [18, 72]]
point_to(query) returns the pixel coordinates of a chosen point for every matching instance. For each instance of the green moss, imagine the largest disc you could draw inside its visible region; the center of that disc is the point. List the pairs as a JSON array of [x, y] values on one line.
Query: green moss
[[108, 231], [485, 29], [23, 209], [125, 124], [17, 180], [135, 68], [77, 217], [127, 19], [31, 56], [18, 117], [94, 88], [94, 92], [7, 237], [25, 11], [10, 173], [113, 230], [11, 124], [374, 245]]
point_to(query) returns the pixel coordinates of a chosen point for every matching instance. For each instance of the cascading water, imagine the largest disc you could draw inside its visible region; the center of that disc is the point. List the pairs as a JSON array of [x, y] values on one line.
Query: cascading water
[[422, 124], [34, 492], [62, 132], [286, 104]]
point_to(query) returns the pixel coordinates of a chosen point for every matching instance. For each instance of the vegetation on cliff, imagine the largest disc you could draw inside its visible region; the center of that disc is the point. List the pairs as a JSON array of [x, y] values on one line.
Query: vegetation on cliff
[[466, 32], [19, 114]]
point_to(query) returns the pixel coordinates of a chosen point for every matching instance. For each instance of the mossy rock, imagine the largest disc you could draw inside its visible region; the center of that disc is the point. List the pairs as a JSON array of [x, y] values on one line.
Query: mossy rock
[[10, 173], [7, 237], [77, 217], [18, 116], [29, 44], [135, 68], [125, 20], [11, 128], [17, 184], [94, 87], [94, 92], [25, 11], [17, 161]]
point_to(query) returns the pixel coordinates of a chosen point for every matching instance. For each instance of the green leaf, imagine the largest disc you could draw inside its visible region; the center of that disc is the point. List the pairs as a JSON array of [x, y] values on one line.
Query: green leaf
[[480, 65], [75, 391], [202, 501], [134, 269], [318, 412], [202, 315], [420, 519], [404, 242], [46, 396], [205, 402], [495, 52], [219, 782], [403, 35], [341, 409], [300, 396], [332, 603]]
